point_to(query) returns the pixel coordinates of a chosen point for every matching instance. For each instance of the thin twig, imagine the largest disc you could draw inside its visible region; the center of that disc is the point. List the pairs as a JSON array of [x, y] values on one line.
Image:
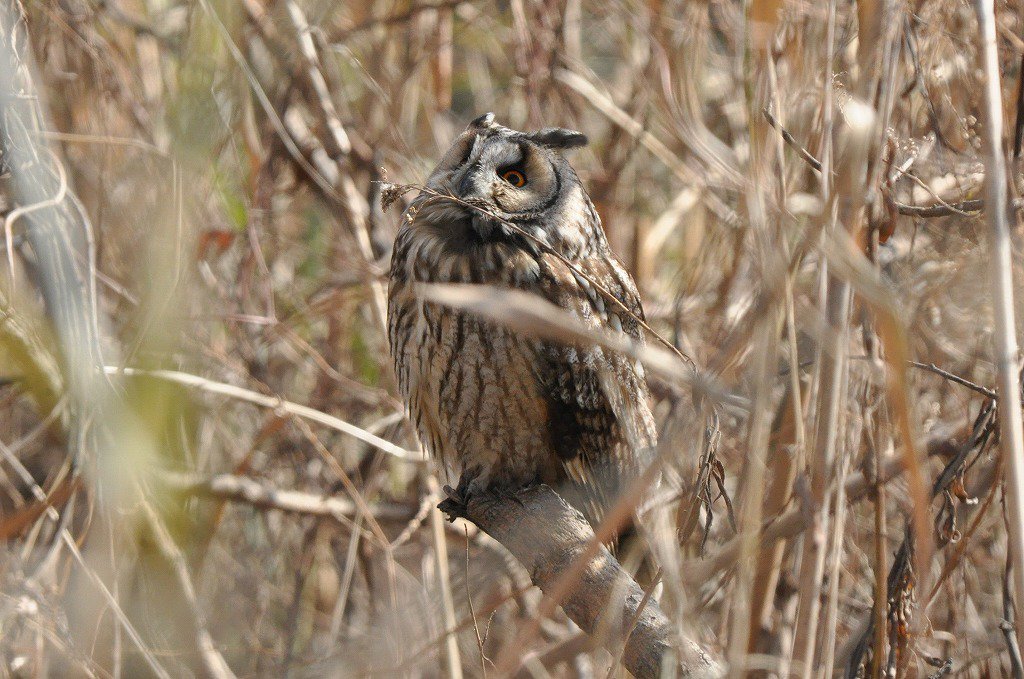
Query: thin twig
[[268, 107], [274, 403], [940, 209], [472, 613], [880, 603], [119, 613], [320, 95], [54, 201], [445, 585], [1018, 126], [339, 146], [391, 19], [251, 492], [213, 662], [854, 140], [562, 651], [961, 546], [786, 525], [656, 147], [793, 143], [1009, 622], [931, 367]]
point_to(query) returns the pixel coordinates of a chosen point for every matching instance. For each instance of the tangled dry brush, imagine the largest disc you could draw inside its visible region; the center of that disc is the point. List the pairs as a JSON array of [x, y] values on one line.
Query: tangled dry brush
[[191, 198]]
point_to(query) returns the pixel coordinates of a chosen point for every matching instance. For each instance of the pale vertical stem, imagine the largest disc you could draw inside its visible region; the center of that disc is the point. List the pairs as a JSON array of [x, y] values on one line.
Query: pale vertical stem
[[759, 24], [352, 554], [788, 430], [572, 20], [828, 640], [445, 584], [1011, 433], [213, 663], [788, 618], [831, 400], [442, 60], [349, 197], [338, 143], [115, 589], [799, 434], [787, 444], [854, 139], [881, 565], [825, 190], [752, 495], [787, 624], [827, 110]]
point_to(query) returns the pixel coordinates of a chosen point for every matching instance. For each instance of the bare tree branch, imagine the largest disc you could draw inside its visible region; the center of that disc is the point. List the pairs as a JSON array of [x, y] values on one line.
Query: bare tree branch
[[550, 538]]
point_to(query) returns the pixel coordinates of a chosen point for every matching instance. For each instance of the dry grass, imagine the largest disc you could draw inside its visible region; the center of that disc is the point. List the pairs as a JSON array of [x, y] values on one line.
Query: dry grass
[[193, 188]]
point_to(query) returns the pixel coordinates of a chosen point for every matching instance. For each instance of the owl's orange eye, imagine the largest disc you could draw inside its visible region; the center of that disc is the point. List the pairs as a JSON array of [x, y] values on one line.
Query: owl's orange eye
[[514, 177]]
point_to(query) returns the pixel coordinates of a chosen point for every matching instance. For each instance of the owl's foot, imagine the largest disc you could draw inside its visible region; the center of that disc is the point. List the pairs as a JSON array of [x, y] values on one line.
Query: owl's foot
[[457, 499], [472, 486], [454, 505]]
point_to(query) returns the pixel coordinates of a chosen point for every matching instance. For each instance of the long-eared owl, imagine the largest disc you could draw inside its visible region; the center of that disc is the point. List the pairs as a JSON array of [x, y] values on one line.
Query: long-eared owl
[[508, 409]]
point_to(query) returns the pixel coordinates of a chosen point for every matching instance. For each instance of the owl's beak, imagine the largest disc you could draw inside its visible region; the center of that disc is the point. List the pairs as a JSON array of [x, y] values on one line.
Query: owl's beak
[[475, 188], [471, 186]]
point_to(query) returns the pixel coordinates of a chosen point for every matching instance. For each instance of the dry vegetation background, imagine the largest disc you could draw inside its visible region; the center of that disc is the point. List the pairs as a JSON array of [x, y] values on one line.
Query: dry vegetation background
[[189, 188]]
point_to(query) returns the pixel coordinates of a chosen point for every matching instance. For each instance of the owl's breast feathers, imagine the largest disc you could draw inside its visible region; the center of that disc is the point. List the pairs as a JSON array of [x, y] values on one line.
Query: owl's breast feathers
[[520, 408], [601, 420]]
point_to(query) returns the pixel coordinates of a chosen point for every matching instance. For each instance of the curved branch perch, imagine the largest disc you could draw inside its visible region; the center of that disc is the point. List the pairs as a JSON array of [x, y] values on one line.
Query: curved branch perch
[[558, 548]]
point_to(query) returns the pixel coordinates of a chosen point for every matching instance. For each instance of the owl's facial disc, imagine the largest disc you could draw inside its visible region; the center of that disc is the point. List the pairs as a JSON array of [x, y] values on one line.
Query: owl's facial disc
[[508, 176], [513, 175]]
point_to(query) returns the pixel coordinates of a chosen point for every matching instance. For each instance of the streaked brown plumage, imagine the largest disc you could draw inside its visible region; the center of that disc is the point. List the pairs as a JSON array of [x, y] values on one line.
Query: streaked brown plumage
[[501, 410]]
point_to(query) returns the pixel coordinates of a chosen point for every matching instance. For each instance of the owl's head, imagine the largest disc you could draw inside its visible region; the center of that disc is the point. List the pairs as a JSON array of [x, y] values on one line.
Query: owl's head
[[521, 177]]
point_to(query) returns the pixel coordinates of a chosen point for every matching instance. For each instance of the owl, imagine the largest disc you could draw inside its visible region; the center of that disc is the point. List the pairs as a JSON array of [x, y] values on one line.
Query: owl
[[503, 410]]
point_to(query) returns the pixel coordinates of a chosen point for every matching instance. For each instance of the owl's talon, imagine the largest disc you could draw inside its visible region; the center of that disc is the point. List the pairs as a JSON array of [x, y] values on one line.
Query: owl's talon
[[454, 505]]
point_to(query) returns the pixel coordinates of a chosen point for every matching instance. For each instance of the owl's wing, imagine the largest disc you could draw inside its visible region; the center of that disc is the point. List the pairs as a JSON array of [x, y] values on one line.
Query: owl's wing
[[600, 422]]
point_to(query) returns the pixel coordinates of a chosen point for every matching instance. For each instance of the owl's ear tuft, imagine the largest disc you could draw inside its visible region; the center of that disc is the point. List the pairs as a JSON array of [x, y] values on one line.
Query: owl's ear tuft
[[484, 121], [558, 138]]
